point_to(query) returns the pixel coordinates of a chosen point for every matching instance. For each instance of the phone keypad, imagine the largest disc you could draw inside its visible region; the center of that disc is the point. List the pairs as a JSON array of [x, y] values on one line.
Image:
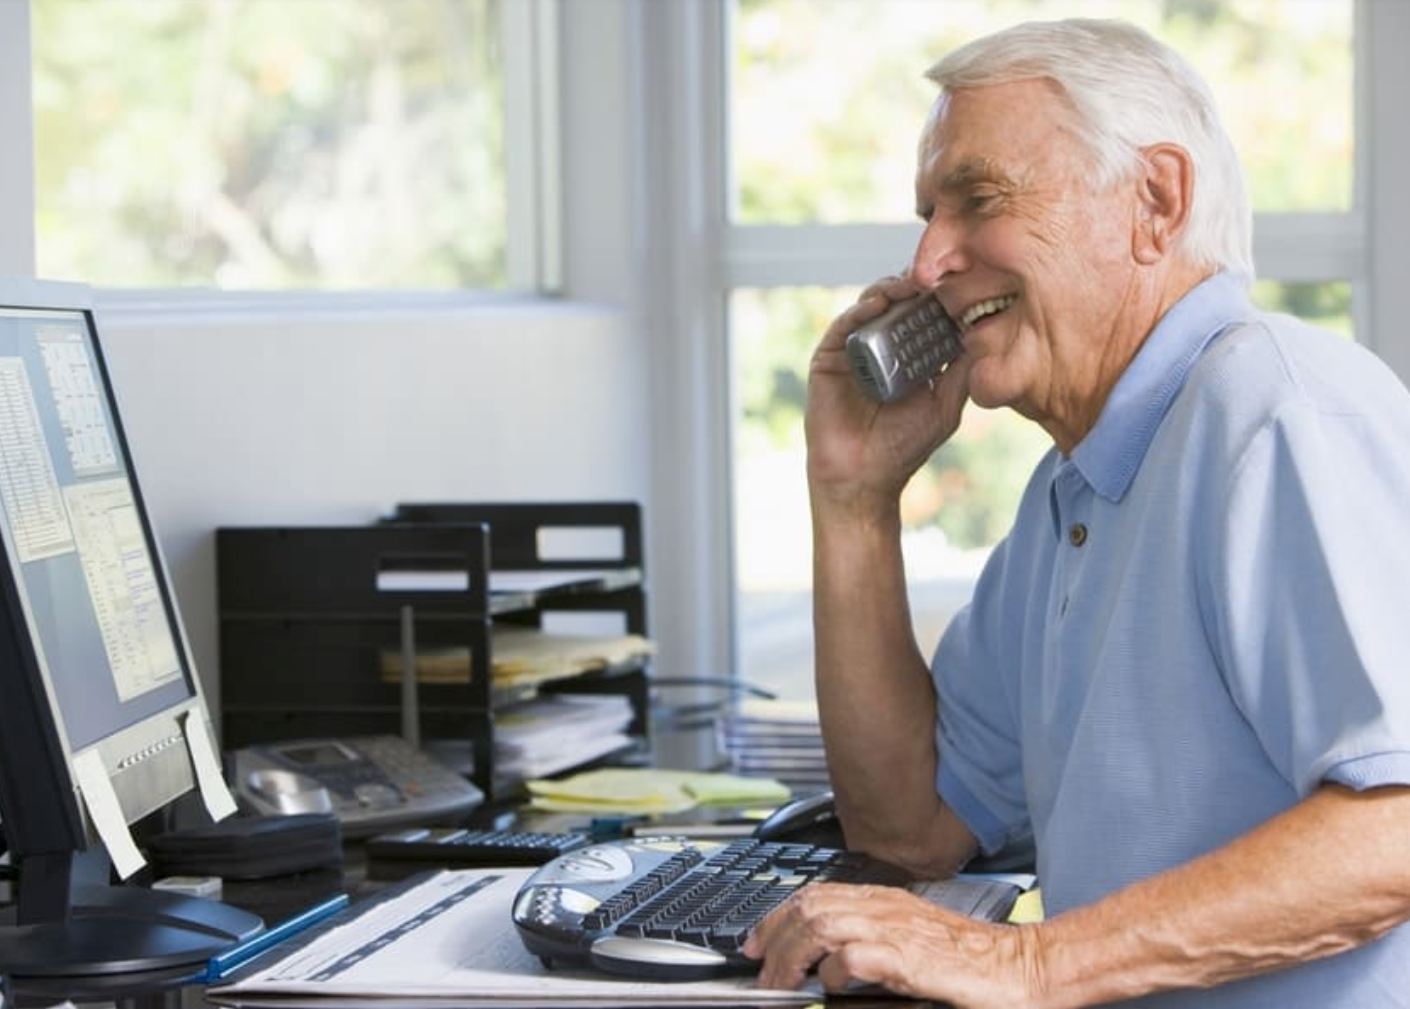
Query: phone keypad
[[925, 340]]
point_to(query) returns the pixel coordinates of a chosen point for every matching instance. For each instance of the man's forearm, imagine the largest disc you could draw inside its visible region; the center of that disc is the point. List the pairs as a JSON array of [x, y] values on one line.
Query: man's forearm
[[1324, 877], [875, 698]]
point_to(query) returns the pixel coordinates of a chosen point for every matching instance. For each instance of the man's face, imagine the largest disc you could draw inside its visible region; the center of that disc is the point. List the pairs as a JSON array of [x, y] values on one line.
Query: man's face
[[1031, 261]]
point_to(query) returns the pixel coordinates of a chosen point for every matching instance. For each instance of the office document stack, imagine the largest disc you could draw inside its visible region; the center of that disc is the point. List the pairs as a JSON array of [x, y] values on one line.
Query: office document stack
[[776, 739], [553, 732]]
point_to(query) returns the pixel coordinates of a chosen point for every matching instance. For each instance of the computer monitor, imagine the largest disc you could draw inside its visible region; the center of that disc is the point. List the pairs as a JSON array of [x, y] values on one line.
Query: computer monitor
[[102, 721]]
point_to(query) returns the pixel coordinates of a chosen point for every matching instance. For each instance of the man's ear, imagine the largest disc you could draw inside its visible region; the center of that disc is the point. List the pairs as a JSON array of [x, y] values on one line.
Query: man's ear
[[1165, 184]]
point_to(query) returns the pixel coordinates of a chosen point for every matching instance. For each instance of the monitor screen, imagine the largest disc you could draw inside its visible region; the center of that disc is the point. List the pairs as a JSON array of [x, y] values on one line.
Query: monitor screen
[[88, 579], [102, 721]]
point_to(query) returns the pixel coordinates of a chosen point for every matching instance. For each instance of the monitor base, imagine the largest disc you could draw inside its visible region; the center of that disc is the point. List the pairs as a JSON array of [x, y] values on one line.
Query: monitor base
[[119, 930]]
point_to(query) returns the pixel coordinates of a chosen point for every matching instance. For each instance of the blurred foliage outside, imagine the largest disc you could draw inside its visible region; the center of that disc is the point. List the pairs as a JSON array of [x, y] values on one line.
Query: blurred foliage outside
[[269, 144], [829, 95]]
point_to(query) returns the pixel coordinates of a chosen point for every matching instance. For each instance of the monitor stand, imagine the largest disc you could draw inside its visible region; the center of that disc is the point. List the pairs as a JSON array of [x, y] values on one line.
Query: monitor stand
[[66, 925]]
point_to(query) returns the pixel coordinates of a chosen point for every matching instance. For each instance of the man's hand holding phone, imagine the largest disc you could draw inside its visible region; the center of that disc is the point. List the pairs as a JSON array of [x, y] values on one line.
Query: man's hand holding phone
[[859, 441]]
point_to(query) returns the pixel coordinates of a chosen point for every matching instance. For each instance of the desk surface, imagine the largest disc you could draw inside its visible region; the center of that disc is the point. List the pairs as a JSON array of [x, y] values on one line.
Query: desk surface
[[274, 899]]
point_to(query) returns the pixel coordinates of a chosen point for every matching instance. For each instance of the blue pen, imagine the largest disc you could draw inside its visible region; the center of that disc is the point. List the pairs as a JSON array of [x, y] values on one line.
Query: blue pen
[[220, 965]]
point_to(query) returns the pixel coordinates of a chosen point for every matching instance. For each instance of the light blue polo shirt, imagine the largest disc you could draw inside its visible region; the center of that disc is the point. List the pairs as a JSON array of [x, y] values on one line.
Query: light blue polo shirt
[[1198, 617]]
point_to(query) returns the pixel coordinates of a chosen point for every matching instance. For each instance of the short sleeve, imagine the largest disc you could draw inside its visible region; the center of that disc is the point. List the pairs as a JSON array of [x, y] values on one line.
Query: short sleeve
[[980, 774], [1311, 582]]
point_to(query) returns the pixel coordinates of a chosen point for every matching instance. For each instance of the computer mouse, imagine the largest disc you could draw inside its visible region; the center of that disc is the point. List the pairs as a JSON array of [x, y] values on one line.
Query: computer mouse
[[809, 819]]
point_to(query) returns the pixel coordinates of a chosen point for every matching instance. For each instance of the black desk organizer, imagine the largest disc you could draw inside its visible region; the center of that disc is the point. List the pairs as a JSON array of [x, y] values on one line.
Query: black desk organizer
[[306, 622]]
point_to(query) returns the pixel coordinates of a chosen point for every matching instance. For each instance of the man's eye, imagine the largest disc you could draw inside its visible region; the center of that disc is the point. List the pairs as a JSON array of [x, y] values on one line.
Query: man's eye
[[982, 203]]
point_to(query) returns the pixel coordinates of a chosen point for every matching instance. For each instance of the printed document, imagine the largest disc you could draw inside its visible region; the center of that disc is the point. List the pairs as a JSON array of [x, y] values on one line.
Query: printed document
[[448, 940]]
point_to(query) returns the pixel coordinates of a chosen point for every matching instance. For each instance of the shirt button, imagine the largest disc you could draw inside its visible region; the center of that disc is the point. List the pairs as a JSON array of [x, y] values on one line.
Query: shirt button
[[1077, 534]]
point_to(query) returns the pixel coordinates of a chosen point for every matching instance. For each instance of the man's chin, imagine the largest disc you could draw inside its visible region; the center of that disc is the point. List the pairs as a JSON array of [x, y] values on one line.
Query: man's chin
[[991, 385]]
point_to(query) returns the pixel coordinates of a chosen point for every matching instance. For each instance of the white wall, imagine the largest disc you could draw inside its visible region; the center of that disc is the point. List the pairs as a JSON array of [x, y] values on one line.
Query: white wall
[[241, 418]]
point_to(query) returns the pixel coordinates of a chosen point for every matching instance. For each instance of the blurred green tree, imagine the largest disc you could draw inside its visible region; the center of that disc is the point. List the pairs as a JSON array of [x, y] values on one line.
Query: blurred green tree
[[270, 144]]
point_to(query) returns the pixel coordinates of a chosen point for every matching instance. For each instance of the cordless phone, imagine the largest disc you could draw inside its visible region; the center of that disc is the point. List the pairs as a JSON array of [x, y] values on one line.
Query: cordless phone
[[903, 347]]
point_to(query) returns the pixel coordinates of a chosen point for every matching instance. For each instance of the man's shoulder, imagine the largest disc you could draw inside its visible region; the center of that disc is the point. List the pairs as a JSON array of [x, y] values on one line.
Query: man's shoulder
[[1272, 379], [1271, 362]]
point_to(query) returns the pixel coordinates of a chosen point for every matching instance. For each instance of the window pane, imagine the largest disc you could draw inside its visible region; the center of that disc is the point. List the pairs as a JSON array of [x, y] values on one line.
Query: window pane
[[270, 144], [954, 510], [828, 96], [1327, 304]]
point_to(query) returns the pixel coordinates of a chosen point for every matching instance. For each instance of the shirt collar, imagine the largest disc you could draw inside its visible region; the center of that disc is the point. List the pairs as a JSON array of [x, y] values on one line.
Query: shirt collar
[[1112, 451]]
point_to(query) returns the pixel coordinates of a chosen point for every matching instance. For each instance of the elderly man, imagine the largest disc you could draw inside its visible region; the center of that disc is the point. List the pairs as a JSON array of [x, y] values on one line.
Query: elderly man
[[1184, 678]]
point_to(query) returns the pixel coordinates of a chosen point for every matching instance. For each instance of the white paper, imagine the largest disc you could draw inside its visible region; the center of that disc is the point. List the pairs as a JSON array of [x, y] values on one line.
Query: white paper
[[106, 813], [434, 944], [541, 581], [219, 802]]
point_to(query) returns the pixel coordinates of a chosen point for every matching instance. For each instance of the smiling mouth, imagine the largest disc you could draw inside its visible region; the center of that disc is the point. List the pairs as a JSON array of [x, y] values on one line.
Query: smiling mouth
[[980, 311]]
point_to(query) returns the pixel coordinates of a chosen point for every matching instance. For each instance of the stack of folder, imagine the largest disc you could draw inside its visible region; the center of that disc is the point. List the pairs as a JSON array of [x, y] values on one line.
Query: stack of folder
[[776, 739], [522, 655], [527, 655]]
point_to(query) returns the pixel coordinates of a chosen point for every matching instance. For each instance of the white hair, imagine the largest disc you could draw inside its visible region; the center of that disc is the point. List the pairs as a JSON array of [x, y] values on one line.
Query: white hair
[[1127, 91]]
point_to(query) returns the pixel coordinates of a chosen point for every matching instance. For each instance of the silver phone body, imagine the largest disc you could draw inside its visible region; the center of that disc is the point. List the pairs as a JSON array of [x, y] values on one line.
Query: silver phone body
[[903, 347]]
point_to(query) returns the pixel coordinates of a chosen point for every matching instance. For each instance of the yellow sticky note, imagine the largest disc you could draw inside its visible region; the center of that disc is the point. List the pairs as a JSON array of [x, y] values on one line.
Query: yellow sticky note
[[735, 790], [651, 790], [1028, 908], [626, 790]]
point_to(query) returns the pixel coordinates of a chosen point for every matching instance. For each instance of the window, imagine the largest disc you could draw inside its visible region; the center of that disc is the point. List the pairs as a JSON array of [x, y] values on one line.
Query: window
[[826, 102], [808, 73], [266, 145]]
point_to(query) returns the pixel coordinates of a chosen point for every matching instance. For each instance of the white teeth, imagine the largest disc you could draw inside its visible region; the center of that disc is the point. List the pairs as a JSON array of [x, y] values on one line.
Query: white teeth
[[987, 307]]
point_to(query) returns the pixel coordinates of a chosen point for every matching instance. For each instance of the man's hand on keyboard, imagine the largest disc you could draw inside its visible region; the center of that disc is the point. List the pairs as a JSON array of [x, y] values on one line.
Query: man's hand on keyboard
[[849, 933]]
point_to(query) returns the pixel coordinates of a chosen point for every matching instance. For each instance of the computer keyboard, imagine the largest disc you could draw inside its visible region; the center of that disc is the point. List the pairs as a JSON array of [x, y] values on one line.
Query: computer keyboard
[[403, 852], [669, 908]]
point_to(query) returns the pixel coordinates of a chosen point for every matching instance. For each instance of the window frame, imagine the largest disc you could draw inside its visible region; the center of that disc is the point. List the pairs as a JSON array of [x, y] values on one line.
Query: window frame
[[16, 122]]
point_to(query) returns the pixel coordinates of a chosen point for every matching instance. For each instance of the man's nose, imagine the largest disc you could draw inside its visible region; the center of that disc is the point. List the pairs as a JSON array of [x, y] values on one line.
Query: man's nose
[[939, 252]]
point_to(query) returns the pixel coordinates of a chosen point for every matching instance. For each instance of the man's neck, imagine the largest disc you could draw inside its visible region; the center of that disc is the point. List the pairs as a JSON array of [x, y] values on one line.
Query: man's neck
[[1139, 314]]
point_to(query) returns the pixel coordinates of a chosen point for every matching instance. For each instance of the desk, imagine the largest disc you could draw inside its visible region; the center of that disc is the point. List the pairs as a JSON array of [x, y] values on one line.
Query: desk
[[421, 934], [445, 936], [279, 898]]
